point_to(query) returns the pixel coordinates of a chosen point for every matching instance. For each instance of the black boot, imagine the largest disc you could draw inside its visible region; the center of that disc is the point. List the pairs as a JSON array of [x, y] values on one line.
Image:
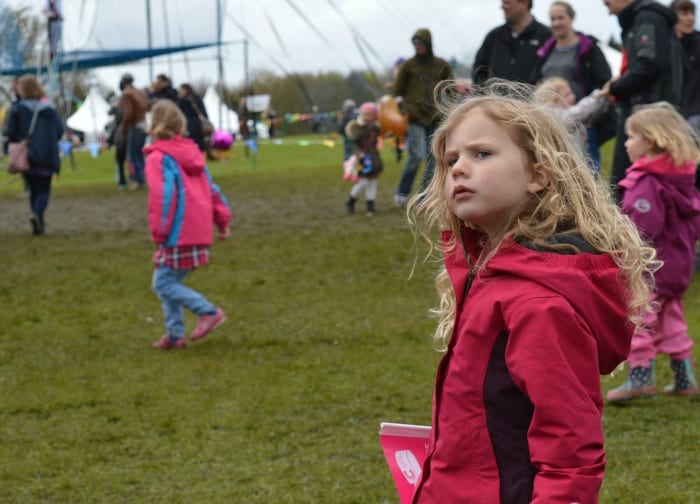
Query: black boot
[[370, 208], [37, 225], [350, 205]]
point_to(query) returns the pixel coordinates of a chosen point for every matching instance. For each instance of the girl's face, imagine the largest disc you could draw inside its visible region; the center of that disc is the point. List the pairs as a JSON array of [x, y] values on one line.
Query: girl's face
[[487, 173], [568, 98], [368, 116], [560, 22], [637, 146]]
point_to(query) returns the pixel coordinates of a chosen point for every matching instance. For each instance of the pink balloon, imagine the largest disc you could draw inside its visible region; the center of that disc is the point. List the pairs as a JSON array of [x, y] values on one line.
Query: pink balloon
[[221, 140]]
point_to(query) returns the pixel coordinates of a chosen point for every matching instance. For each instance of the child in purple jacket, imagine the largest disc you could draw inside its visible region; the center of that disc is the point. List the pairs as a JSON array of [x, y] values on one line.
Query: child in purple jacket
[[659, 195], [184, 205]]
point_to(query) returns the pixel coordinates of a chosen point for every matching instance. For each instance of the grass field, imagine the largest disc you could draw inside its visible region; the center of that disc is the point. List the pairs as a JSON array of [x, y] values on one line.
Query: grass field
[[327, 337]]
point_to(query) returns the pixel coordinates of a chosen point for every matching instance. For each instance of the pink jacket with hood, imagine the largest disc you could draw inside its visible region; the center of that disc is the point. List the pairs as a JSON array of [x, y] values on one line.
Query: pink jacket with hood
[[183, 201]]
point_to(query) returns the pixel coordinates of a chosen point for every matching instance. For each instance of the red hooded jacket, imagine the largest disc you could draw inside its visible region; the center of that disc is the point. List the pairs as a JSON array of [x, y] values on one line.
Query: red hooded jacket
[[517, 404]]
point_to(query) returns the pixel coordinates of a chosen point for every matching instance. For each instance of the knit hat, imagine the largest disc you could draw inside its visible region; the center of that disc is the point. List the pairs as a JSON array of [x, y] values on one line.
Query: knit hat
[[369, 106]]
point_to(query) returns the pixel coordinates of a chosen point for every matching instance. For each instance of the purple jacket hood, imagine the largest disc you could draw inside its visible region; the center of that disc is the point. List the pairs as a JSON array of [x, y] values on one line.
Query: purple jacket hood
[[585, 44]]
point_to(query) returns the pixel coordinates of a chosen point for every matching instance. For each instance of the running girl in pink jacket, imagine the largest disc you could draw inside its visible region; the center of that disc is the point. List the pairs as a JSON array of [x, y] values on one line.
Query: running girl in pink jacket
[[184, 205], [542, 284]]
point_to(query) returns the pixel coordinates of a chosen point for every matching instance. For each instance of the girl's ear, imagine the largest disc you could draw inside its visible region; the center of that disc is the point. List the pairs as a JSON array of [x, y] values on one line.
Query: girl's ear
[[538, 179]]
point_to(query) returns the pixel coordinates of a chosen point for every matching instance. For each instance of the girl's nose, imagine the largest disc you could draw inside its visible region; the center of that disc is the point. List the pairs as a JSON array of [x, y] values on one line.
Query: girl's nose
[[460, 168]]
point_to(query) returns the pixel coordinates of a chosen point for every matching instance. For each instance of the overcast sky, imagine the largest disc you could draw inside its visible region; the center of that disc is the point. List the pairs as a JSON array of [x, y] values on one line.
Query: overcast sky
[[279, 34]]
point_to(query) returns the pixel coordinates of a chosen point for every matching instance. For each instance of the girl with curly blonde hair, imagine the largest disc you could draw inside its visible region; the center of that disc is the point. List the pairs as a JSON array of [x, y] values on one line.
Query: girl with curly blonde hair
[[543, 282]]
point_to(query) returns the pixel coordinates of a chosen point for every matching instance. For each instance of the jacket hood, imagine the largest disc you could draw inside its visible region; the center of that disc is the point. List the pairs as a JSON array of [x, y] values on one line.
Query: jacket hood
[[425, 36], [627, 15], [682, 187], [585, 44], [183, 150], [589, 281], [680, 182], [32, 104]]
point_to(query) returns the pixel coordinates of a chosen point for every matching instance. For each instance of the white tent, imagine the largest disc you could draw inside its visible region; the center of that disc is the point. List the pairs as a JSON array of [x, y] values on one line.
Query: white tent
[[92, 117], [220, 115]]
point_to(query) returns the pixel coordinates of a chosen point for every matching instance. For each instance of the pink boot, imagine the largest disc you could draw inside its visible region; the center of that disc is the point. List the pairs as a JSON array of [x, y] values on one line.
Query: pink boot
[[207, 323]]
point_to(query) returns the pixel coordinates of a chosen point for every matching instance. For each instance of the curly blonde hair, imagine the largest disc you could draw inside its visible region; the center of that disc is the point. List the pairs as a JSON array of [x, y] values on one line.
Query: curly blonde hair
[[573, 201], [167, 120], [667, 130]]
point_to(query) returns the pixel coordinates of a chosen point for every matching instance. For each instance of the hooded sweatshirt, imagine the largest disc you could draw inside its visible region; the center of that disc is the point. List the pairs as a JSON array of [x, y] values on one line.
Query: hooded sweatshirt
[[653, 54], [416, 82], [661, 199], [183, 201], [517, 403]]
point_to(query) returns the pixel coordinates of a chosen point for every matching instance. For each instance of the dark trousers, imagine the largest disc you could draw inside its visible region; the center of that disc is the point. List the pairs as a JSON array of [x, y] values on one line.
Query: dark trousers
[[120, 160], [621, 160], [39, 192], [135, 141]]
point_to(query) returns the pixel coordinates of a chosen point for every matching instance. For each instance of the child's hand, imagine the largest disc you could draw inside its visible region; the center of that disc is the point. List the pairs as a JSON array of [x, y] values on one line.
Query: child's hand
[[224, 233]]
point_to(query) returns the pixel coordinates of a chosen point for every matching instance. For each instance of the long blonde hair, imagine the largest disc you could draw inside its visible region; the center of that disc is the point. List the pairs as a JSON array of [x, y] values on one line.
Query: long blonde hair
[[667, 130], [573, 201]]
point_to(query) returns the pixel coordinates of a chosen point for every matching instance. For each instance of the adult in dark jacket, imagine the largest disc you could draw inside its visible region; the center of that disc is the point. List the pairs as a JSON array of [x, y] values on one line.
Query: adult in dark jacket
[[192, 107], [42, 146], [415, 84], [162, 89], [652, 66], [690, 40], [509, 51], [117, 110], [576, 58]]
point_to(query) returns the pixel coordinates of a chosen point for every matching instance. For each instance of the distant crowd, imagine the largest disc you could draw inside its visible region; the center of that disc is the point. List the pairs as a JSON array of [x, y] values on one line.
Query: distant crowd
[[128, 131]]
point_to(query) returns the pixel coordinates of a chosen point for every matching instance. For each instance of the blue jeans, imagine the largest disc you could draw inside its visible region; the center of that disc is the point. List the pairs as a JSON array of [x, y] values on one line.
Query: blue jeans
[[167, 284], [418, 144], [135, 140]]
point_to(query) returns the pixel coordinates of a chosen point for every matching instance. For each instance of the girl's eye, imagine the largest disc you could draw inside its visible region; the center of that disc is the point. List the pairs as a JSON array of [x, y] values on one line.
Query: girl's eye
[[482, 154], [450, 161]]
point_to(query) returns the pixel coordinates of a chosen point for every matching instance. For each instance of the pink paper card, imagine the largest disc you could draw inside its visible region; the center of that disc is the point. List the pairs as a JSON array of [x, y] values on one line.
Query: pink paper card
[[405, 448]]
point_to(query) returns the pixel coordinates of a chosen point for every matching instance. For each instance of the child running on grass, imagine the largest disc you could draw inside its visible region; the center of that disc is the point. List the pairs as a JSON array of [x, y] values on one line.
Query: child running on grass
[[363, 134], [659, 195], [543, 279], [184, 204]]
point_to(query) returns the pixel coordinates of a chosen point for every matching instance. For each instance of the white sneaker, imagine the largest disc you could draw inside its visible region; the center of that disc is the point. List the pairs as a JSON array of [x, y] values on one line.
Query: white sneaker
[[400, 200]]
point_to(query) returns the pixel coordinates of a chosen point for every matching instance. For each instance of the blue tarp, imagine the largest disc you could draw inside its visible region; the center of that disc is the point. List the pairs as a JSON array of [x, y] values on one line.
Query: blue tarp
[[95, 58]]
